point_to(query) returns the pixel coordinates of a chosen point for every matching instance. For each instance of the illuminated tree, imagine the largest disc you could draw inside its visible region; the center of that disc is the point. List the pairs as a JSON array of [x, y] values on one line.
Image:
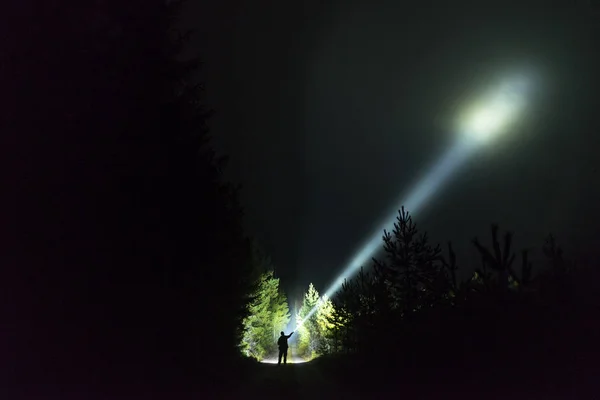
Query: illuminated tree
[[308, 332], [324, 312], [315, 333], [325, 325], [303, 335], [280, 315], [268, 314]]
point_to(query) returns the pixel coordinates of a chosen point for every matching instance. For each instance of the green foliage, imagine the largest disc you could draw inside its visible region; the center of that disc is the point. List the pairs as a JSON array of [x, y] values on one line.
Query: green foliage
[[268, 314], [315, 334], [308, 331], [325, 325], [324, 313], [303, 336]]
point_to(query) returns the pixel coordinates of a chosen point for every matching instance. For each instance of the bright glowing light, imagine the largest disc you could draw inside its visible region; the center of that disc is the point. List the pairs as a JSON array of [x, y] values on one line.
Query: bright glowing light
[[478, 125], [490, 116], [290, 360]]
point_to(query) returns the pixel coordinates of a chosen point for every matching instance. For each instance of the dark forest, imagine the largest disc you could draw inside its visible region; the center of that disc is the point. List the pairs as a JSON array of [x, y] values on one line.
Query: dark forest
[[129, 268]]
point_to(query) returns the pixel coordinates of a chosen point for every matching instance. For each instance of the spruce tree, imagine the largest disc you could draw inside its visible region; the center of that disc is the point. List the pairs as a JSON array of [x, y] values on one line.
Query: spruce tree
[[280, 313], [143, 243], [307, 330], [411, 267], [268, 314], [325, 325]]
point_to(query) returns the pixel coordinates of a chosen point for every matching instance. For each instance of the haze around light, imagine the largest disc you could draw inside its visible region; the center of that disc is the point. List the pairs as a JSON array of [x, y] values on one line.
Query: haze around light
[[481, 122]]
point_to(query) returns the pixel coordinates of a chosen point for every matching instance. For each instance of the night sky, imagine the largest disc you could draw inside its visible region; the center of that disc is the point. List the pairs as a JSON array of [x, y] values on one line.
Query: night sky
[[331, 111]]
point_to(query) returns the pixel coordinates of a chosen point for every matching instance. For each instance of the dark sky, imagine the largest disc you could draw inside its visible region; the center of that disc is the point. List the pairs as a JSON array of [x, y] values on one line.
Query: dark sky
[[331, 110]]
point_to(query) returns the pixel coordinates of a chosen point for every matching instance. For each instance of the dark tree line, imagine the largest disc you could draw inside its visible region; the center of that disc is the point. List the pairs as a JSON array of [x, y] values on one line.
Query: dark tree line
[[125, 257], [409, 311]]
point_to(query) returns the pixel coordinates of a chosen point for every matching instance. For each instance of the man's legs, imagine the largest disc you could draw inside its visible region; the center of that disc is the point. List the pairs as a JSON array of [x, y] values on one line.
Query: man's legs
[[280, 354], [285, 355]]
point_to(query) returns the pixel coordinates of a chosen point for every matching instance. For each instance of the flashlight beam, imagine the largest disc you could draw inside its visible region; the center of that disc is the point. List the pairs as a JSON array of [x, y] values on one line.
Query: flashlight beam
[[416, 199], [478, 126]]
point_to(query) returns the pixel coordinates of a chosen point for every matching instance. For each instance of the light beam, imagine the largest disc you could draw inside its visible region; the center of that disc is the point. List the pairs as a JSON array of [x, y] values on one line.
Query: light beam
[[479, 124], [490, 116]]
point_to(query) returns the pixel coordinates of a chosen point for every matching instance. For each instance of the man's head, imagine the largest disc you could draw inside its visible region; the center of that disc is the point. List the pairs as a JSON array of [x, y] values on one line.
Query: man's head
[[282, 333]]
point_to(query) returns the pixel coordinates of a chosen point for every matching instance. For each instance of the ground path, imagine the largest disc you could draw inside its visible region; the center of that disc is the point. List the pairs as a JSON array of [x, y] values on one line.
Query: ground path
[[295, 380], [290, 381]]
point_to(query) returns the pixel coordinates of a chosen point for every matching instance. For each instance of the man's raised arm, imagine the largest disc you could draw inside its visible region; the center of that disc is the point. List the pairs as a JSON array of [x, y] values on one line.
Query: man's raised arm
[[288, 336]]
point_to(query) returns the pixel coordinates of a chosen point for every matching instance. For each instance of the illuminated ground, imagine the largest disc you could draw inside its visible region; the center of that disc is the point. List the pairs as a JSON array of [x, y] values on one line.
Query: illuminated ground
[[291, 359]]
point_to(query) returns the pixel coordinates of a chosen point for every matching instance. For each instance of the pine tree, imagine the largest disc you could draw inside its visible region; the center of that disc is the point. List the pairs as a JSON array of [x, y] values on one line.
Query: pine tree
[[325, 325], [412, 267], [499, 260], [347, 309], [280, 312], [152, 229], [339, 321], [307, 328], [268, 314]]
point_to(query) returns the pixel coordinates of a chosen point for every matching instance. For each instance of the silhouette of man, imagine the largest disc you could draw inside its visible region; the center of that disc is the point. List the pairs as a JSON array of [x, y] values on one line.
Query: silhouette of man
[[283, 347]]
